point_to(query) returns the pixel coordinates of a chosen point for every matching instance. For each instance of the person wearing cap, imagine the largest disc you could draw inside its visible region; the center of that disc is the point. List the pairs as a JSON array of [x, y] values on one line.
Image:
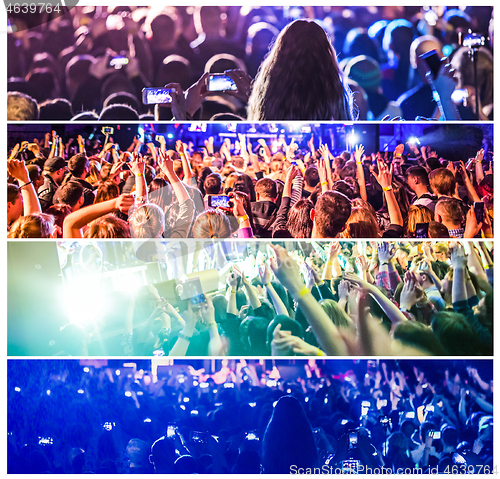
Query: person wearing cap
[[365, 71], [53, 174]]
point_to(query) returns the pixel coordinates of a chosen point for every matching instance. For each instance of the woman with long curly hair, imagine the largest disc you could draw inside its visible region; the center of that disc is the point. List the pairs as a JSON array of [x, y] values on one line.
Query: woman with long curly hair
[[300, 79]]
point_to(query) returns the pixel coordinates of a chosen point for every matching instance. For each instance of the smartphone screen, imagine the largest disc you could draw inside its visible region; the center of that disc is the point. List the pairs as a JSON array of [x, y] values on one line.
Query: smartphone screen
[[433, 61], [422, 230], [215, 201], [118, 62], [479, 211], [153, 96], [220, 82]]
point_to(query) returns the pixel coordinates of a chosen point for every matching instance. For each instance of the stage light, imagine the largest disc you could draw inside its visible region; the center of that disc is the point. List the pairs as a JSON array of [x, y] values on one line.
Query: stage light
[[431, 18], [195, 383], [140, 393], [18, 390], [413, 140], [117, 372], [203, 385], [306, 399], [271, 383], [252, 404], [86, 369], [186, 399], [81, 391], [87, 286], [170, 136], [147, 419], [352, 139], [48, 392], [128, 394]]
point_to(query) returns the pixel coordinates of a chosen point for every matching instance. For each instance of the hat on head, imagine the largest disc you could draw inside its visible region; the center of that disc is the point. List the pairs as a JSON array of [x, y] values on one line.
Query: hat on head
[[365, 71], [55, 163]]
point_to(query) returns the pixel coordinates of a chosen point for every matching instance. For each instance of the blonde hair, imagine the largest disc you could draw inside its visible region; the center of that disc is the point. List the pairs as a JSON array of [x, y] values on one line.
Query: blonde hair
[[211, 224], [147, 221], [417, 214], [36, 225], [109, 226]]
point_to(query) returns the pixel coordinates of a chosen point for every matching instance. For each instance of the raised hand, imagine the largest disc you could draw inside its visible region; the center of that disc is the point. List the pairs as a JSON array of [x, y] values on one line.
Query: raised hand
[[18, 170], [384, 175], [265, 274], [14, 152], [137, 165], [358, 153], [243, 84], [399, 149], [180, 147], [286, 270], [386, 252], [124, 203], [458, 257], [166, 163], [362, 263]]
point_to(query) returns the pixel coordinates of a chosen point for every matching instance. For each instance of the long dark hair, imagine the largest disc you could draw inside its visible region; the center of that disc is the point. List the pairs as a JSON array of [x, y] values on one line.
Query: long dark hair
[[300, 79], [299, 221]]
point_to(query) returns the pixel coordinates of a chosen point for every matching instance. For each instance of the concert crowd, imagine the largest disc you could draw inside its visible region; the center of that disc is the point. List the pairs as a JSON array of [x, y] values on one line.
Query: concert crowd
[[270, 63], [245, 187], [248, 417]]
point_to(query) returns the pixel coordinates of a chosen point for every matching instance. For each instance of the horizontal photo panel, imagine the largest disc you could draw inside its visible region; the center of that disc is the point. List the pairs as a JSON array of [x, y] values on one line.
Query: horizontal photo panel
[[323, 63], [234, 298], [249, 416], [229, 180]]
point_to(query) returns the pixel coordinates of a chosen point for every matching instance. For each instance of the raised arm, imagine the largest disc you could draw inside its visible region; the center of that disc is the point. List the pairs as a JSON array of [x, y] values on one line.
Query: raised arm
[[81, 144], [360, 173], [384, 178], [215, 346], [79, 218], [18, 170], [167, 166], [459, 263], [232, 281], [288, 273], [479, 166], [154, 153], [137, 166], [184, 338], [265, 277], [444, 86], [186, 165], [390, 309]]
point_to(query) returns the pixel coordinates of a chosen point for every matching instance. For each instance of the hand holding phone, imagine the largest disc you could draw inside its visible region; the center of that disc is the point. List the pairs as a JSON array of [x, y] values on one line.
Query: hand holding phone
[[433, 62], [220, 82], [154, 96]]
